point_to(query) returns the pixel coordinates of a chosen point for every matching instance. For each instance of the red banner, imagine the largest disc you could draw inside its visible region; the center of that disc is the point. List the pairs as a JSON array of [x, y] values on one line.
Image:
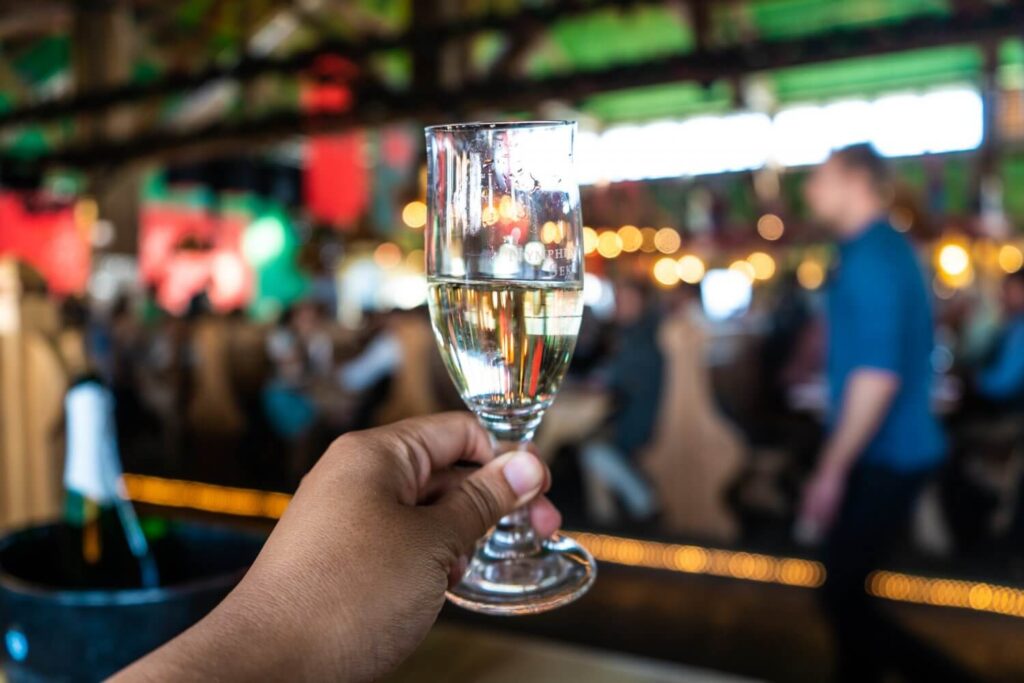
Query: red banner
[[48, 239]]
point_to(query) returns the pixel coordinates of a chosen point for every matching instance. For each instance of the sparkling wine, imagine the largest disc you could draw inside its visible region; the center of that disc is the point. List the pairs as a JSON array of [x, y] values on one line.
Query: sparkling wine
[[507, 345]]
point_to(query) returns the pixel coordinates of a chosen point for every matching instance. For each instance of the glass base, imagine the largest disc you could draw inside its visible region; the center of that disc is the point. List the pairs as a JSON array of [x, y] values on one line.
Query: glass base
[[558, 572]]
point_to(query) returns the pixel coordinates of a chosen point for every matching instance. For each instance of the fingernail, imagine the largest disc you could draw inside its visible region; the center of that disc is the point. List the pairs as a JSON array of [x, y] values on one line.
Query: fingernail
[[524, 474]]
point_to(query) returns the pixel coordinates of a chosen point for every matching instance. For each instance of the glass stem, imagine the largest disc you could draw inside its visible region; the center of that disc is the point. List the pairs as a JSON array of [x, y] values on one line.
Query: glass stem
[[513, 536]]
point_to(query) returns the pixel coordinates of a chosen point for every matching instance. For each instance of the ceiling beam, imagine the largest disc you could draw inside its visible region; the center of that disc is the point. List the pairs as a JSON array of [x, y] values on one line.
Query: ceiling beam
[[247, 68], [376, 104]]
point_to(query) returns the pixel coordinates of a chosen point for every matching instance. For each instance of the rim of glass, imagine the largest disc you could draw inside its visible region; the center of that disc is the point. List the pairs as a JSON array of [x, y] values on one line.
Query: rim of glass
[[496, 125]]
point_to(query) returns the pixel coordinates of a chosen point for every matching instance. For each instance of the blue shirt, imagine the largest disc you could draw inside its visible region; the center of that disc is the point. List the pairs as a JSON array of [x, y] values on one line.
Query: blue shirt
[[1002, 379], [880, 317]]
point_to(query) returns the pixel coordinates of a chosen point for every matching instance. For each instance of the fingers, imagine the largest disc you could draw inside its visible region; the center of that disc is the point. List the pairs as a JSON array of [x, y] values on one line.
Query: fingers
[[443, 481], [545, 517], [442, 440], [491, 492], [420, 446]]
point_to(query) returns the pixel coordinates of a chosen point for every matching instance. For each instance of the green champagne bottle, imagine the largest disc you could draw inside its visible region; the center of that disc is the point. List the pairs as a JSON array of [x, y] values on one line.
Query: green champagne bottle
[[105, 546]]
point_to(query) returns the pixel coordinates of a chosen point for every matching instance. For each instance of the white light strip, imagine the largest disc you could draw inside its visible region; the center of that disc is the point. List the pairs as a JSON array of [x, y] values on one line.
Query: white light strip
[[946, 120]]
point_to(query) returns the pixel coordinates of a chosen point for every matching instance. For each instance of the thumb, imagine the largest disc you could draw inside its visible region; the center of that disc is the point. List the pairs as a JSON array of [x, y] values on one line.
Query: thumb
[[496, 489]]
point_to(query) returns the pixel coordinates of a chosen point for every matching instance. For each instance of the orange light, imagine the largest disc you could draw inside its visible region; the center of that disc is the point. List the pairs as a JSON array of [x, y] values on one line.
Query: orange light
[[743, 268], [552, 232], [609, 244], [667, 241], [687, 559], [509, 209], [978, 596], [666, 271], [1011, 259], [86, 212], [763, 265], [953, 263], [414, 214], [770, 227], [207, 497], [690, 268], [647, 236], [387, 255], [589, 241], [810, 274], [632, 238], [953, 259], [414, 260]]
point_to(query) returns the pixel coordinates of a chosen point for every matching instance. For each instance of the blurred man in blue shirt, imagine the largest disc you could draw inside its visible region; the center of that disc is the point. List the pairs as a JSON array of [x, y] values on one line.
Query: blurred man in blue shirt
[[883, 441], [1002, 377]]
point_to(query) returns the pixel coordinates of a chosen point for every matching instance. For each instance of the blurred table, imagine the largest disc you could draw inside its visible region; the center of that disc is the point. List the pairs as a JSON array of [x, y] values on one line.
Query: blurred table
[[461, 655]]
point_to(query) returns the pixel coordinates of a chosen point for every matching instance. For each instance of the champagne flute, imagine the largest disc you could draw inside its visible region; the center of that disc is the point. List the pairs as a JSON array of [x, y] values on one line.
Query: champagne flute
[[505, 269]]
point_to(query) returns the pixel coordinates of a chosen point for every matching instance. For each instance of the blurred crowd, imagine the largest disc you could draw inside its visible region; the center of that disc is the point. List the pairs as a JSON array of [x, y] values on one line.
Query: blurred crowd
[[667, 422]]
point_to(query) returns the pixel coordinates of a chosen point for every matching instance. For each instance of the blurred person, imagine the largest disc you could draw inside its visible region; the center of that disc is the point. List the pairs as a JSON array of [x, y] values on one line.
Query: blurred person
[[1001, 378], [407, 341], [990, 480], [212, 407], [634, 376], [883, 442], [287, 401], [354, 574]]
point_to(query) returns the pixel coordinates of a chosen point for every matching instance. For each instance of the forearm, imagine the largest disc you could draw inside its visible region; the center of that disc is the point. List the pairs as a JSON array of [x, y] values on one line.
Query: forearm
[[246, 637], [866, 400]]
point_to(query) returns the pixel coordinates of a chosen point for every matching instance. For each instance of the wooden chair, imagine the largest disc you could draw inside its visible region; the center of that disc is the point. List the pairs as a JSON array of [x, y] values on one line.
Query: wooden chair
[[695, 452]]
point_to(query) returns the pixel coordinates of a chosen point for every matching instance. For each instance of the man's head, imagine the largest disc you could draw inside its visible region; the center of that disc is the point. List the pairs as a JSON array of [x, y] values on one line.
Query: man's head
[[1013, 293], [850, 189]]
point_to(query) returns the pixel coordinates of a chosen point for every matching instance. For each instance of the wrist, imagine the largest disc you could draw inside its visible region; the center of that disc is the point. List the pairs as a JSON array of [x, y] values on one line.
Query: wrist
[[833, 464]]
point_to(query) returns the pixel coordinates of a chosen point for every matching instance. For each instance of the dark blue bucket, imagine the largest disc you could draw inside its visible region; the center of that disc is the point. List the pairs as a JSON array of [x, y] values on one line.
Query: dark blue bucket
[[52, 633]]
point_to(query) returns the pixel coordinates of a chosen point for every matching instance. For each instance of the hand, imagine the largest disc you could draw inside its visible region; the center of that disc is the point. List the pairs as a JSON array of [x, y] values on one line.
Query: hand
[[355, 572], [822, 496]]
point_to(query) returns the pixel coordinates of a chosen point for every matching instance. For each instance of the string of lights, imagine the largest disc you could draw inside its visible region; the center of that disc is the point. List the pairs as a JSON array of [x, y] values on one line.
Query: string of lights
[[685, 559]]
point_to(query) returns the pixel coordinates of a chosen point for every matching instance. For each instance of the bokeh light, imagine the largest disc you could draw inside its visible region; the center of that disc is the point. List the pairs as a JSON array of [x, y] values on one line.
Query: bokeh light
[[387, 255], [414, 215], [228, 280], [609, 244], [414, 260], [509, 209], [264, 240], [810, 274], [690, 269], [551, 232], [589, 240], [744, 268], [763, 265], [647, 236], [667, 241], [1011, 259], [770, 227], [953, 259], [666, 272], [632, 238]]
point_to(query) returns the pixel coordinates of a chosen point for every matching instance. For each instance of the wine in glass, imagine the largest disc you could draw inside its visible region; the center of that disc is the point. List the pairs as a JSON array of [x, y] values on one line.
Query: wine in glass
[[505, 270]]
